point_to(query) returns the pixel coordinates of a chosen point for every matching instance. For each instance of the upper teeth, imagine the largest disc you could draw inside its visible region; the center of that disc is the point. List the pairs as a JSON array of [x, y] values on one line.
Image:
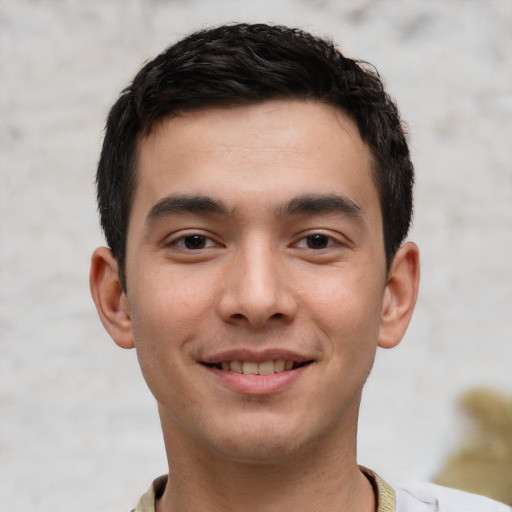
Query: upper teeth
[[253, 368]]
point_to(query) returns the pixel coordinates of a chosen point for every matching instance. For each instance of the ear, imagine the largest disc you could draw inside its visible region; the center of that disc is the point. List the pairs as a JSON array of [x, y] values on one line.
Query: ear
[[110, 300], [400, 295]]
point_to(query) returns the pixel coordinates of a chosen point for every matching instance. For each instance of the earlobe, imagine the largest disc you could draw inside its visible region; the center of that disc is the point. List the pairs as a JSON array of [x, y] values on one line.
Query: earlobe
[[109, 298], [400, 295]]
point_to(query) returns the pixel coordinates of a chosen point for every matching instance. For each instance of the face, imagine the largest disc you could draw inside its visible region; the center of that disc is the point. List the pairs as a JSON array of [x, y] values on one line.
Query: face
[[256, 276]]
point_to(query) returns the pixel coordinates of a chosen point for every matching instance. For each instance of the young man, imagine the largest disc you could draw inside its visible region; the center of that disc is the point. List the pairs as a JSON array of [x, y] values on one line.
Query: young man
[[255, 190]]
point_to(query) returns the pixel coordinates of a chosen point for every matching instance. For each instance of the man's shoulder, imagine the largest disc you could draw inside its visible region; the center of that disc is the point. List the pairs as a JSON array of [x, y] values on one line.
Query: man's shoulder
[[428, 497]]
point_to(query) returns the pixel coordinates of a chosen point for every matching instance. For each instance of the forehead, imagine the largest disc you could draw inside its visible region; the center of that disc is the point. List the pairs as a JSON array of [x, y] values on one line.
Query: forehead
[[254, 154]]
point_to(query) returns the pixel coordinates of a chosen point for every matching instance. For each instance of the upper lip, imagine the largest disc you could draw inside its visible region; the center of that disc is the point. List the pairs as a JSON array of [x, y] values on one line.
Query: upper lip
[[256, 356]]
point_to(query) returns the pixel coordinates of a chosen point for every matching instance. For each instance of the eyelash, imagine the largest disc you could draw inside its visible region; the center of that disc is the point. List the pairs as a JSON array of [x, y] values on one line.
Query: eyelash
[[182, 240], [198, 241], [320, 237]]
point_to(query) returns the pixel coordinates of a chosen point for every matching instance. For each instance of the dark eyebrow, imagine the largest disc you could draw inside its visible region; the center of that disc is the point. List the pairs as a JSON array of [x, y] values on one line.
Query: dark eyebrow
[[321, 203], [176, 204]]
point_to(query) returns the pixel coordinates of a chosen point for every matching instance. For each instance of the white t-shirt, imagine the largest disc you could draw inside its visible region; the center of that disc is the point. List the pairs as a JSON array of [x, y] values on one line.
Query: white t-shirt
[[427, 497]]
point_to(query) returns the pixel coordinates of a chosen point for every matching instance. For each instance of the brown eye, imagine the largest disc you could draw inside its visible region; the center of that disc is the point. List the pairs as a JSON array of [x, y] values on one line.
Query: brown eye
[[194, 242], [317, 241]]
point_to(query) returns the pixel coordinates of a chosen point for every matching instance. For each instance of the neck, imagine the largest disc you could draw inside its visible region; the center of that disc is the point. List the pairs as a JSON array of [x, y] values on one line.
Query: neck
[[323, 476]]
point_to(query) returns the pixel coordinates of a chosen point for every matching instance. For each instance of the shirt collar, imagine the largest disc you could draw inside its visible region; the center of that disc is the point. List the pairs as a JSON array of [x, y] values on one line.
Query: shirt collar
[[384, 493]]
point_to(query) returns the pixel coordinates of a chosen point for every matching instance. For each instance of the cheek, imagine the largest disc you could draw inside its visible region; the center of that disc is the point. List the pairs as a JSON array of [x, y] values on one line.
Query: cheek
[[159, 324], [170, 302], [347, 309], [162, 326], [344, 299]]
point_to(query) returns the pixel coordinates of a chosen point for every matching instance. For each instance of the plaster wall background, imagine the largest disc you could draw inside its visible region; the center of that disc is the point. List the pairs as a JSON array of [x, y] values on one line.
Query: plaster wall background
[[77, 424]]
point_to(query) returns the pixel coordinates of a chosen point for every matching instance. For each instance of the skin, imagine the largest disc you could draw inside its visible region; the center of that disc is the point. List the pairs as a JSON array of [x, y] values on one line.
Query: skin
[[255, 233]]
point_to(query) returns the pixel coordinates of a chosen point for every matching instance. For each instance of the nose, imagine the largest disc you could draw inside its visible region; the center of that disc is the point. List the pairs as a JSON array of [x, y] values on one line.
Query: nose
[[256, 290]]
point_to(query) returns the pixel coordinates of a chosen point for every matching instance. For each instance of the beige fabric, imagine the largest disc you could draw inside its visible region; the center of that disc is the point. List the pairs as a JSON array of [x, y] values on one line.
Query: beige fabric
[[147, 502], [384, 494]]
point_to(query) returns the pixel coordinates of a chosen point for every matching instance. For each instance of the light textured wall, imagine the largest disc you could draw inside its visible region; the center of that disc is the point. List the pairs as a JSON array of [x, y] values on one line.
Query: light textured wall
[[78, 429]]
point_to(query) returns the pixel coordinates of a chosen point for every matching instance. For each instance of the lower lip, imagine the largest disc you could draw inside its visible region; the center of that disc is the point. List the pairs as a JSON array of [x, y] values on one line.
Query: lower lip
[[257, 384]]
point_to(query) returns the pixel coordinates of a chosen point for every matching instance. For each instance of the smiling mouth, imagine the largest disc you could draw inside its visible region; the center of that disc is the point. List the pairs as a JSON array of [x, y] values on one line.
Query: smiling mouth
[[254, 368]]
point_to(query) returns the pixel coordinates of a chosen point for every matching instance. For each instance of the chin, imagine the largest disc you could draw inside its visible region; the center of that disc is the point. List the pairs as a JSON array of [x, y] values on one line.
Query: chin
[[264, 442], [260, 450]]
